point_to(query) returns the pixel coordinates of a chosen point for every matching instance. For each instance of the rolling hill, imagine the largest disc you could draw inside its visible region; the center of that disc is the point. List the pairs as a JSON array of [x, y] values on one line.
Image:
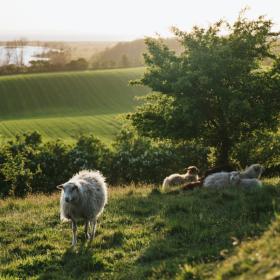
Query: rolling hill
[[64, 105]]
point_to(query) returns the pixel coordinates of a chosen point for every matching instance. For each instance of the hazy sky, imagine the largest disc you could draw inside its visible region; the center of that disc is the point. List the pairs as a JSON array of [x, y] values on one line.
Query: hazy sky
[[118, 19]]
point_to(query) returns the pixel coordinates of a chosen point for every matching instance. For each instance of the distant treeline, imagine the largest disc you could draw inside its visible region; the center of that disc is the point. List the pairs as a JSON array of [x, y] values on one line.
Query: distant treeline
[[127, 54], [38, 66], [121, 55], [56, 56], [59, 59]]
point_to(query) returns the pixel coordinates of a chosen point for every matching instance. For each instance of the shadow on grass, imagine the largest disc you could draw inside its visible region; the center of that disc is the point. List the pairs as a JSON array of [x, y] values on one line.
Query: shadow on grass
[[200, 227], [76, 263]]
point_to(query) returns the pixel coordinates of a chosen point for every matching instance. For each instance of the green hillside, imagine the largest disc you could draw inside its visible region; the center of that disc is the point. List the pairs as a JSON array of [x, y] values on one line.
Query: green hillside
[[67, 104], [147, 234]]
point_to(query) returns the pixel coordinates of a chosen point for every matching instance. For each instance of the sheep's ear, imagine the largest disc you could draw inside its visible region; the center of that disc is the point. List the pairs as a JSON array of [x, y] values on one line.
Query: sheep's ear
[[60, 187]]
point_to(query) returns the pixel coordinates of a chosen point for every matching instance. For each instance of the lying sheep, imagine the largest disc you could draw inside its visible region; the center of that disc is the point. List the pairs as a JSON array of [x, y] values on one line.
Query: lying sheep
[[199, 182], [180, 179], [222, 179], [83, 197], [236, 180]]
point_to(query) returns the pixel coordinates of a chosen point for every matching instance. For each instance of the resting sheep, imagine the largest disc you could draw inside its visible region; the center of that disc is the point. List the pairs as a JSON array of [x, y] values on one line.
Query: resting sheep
[[180, 179], [83, 197], [236, 180], [199, 182], [222, 179]]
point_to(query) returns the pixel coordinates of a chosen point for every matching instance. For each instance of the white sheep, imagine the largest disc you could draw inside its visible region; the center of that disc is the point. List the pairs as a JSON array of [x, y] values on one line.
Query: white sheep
[[237, 180], [83, 197], [219, 179], [180, 179], [222, 179]]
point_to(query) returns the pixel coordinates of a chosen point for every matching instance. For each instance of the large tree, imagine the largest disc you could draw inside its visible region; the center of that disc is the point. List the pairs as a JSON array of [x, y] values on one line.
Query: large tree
[[217, 90]]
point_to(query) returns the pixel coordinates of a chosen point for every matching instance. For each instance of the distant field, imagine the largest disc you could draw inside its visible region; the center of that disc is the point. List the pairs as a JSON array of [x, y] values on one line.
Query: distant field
[[64, 105]]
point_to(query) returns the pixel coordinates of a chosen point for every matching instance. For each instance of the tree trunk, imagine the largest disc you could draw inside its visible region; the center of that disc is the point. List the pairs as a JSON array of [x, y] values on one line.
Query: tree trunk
[[222, 156]]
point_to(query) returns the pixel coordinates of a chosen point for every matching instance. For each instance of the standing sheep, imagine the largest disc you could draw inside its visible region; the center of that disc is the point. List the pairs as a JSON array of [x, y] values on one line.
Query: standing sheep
[[180, 179], [83, 197]]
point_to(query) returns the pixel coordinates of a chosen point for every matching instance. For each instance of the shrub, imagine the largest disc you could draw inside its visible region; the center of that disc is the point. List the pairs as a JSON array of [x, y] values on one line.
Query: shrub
[[54, 162], [19, 164], [262, 148], [90, 153], [141, 159], [18, 176], [28, 165]]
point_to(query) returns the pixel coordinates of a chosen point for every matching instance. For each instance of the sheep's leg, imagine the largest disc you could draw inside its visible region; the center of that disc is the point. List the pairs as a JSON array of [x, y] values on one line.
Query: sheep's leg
[[87, 227], [94, 224], [74, 230]]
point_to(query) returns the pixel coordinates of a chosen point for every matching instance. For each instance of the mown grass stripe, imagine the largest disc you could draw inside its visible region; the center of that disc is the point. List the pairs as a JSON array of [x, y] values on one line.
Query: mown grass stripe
[[61, 105]]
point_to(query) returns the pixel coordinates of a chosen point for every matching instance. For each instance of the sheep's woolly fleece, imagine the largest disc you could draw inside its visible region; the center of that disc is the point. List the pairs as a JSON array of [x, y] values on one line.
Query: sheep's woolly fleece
[[180, 179], [92, 196]]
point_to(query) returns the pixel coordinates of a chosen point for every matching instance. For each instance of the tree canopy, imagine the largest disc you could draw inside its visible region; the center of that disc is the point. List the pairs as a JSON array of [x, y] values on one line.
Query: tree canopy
[[217, 90]]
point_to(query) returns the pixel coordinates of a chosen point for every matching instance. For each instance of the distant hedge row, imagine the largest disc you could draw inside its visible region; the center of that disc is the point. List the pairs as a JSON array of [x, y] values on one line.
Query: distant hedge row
[[28, 165]]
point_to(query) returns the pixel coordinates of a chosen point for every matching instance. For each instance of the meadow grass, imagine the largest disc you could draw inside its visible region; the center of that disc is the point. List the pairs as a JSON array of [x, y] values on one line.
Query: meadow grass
[[147, 234], [68, 128], [67, 104]]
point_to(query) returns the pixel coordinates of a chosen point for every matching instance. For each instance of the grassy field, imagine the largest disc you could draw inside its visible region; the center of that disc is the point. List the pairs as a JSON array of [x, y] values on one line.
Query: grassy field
[[67, 104], [147, 234]]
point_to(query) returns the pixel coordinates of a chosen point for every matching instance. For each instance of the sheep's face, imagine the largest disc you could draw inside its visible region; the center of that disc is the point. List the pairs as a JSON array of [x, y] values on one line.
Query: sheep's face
[[255, 170], [192, 170], [70, 192], [258, 170], [234, 178]]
